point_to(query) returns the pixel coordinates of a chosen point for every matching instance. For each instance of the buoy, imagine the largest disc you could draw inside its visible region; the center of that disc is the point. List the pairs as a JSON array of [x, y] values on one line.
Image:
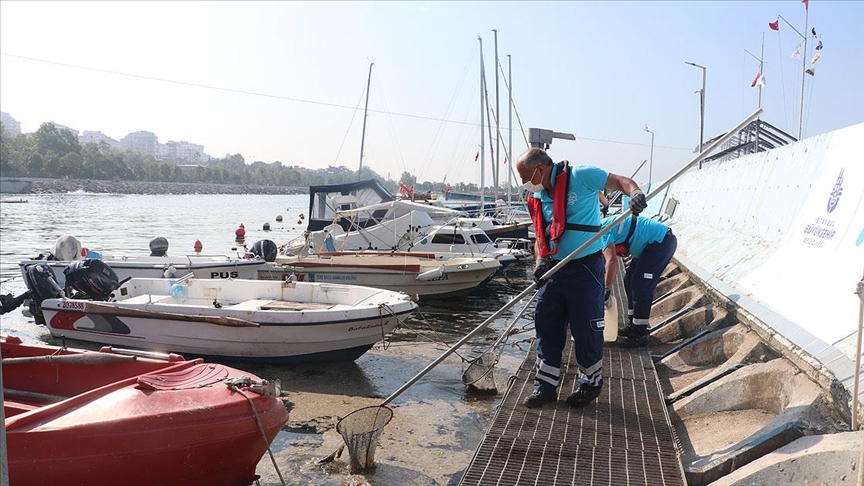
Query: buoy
[[299, 221], [302, 216], [279, 218], [266, 226], [198, 246], [241, 231], [84, 251]]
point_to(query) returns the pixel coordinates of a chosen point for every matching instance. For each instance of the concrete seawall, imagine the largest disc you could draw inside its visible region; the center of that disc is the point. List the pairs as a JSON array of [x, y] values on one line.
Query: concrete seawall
[[779, 236]]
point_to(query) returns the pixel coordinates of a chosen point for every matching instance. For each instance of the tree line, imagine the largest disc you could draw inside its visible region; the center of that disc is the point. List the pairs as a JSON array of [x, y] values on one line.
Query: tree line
[[57, 153]]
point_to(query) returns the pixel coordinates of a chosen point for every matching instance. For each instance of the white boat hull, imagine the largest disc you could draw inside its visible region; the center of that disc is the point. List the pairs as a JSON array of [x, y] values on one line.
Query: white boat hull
[[412, 275], [256, 320]]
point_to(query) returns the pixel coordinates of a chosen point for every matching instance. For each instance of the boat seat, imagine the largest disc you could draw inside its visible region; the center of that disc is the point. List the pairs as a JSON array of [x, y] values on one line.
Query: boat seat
[[146, 298], [280, 305]]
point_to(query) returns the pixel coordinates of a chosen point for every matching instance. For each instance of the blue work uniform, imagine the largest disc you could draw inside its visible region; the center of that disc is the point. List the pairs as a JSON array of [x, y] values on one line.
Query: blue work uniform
[[652, 247], [574, 294]]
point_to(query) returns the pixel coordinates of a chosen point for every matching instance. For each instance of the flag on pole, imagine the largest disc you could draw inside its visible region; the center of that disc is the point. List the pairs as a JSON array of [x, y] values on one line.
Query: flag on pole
[[806, 4], [813, 30], [774, 25], [796, 54], [819, 46], [761, 82], [811, 71], [757, 81], [815, 57]]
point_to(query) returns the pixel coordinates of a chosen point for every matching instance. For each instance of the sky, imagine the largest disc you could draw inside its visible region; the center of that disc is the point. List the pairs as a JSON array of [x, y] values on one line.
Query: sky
[[286, 81]]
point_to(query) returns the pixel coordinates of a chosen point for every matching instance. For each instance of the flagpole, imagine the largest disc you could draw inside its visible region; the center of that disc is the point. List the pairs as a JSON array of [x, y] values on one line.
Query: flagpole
[[803, 69], [761, 61]]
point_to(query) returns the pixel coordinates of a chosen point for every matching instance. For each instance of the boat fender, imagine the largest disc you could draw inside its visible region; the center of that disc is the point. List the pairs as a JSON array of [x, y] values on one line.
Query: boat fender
[[170, 272], [430, 274]]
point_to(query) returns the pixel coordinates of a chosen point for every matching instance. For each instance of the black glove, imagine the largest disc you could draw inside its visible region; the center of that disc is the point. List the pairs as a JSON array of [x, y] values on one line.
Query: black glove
[[637, 201], [607, 297], [540, 268]]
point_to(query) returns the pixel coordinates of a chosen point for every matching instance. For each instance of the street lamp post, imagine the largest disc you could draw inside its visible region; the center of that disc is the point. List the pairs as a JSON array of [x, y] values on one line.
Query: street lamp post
[[651, 158], [701, 109]]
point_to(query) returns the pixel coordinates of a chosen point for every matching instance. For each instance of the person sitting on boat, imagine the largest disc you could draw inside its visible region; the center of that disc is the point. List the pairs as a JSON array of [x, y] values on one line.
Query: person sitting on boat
[[651, 245], [158, 246], [566, 214]]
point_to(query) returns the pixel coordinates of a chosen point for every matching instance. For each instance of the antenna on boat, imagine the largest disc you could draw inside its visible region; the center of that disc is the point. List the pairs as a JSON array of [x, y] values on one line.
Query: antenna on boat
[[365, 111], [542, 138]]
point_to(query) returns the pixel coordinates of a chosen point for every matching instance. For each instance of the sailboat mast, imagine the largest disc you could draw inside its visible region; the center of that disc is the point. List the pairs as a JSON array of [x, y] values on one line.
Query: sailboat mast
[[510, 127], [482, 112], [365, 112], [497, 117]]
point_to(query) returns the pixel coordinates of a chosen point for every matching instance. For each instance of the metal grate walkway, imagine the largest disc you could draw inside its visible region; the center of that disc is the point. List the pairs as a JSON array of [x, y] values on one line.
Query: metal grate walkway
[[623, 438]]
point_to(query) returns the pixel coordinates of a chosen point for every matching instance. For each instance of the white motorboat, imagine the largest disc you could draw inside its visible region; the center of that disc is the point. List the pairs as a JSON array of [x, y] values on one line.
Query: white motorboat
[[413, 273], [272, 321]]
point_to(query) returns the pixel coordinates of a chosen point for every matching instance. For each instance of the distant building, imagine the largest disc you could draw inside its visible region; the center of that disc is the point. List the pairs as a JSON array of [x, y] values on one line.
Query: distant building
[[185, 152], [142, 142], [98, 138], [64, 127], [11, 126]]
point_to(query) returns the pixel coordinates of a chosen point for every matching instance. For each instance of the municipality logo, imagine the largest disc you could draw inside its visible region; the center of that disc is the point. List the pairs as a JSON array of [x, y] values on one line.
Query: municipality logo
[[836, 193]]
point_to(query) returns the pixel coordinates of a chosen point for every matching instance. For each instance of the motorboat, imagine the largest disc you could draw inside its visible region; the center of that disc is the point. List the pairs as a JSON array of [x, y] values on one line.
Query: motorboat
[[118, 416], [268, 321], [67, 249], [415, 273]]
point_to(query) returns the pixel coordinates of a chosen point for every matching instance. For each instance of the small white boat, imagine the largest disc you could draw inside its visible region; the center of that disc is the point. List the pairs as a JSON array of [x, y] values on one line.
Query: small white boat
[[413, 273], [202, 266], [275, 321]]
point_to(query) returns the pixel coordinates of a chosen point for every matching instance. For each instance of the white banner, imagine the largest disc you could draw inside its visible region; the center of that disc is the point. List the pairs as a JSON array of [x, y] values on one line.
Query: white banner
[[810, 279]]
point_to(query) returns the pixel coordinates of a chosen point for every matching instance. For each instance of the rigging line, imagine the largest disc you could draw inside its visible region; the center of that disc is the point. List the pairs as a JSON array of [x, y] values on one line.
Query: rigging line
[[521, 128], [436, 140], [392, 131], [348, 130], [809, 103], [231, 90]]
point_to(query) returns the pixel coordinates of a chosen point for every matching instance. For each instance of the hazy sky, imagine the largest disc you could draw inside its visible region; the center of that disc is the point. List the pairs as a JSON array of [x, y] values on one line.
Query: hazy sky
[[285, 80]]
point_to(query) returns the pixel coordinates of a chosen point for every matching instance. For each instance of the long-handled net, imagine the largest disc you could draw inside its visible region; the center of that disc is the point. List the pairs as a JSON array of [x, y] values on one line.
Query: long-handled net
[[479, 376], [360, 430]]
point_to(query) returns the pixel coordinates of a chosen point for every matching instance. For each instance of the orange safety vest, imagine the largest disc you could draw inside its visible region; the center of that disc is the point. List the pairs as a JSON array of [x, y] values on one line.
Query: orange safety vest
[[549, 235]]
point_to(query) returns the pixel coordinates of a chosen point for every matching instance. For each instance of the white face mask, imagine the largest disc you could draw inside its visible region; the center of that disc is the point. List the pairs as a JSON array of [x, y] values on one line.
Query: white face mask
[[530, 186]]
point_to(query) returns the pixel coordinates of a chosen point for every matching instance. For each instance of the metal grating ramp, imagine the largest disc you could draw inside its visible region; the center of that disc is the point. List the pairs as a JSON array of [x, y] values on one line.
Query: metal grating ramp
[[623, 438]]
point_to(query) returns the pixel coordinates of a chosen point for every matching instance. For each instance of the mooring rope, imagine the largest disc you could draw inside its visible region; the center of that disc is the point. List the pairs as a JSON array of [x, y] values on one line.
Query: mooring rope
[[235, 387]]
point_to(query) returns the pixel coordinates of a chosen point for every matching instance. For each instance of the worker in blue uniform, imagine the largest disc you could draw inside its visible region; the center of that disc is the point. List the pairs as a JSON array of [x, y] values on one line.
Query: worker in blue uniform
[[564, 209], [651, 244]]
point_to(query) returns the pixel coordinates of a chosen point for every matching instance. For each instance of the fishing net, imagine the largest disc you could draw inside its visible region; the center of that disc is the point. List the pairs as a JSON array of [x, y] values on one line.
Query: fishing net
[[360, 430], [479, 376]]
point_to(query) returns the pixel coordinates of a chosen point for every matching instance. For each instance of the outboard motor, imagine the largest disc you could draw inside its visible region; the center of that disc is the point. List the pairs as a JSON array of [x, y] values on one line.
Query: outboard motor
[[42, 284], [265, 249], [158, 246], [91, 279]]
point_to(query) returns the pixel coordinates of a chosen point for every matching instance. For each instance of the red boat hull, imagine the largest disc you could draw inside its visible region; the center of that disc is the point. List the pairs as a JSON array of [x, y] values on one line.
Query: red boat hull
[[105, 419]]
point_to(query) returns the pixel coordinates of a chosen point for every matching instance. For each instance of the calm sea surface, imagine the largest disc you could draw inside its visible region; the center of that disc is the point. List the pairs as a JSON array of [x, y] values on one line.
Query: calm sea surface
[[125, 224]]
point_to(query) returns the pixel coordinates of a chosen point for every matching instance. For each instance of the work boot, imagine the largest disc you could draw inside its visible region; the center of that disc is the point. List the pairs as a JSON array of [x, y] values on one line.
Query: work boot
[[637, 337], [584, 395], [625, 331], [540, 398]]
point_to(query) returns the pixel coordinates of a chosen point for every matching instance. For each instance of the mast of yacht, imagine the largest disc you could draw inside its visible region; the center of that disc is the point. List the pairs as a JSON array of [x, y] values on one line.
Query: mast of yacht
[[482, 110], [497, 120], [365, 114], [510, 127]]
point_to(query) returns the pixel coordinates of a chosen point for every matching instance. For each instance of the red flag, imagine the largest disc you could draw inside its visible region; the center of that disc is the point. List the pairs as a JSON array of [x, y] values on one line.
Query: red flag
[[476, 156], [757, 81], [447, 191], [774, 25], [806, 4]]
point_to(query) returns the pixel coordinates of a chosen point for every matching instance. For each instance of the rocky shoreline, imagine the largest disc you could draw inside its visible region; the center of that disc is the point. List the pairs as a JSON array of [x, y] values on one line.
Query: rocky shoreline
[[60, 186]]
